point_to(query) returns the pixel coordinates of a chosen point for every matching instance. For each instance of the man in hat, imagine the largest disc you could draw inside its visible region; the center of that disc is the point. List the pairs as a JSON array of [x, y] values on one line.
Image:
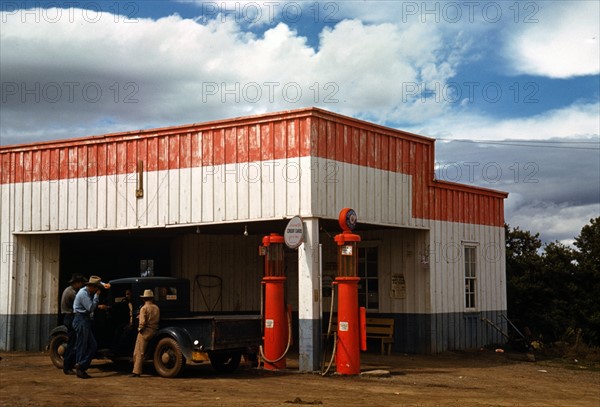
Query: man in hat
[[66, 308], [149, 317], [86, 302]]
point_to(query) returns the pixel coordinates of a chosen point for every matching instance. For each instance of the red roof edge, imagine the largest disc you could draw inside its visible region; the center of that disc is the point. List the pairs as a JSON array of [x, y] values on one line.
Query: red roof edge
[[259, 118], [468, 188]]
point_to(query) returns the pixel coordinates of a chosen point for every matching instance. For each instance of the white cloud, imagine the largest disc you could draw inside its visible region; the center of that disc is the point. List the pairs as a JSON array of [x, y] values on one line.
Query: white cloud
[[577, 120], [178, 70], [554, 38], [563, 43]]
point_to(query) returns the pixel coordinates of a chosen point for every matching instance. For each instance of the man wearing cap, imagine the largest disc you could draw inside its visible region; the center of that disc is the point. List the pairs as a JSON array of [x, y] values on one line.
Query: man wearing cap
[[66, 308], [149, 317], [86, 302]]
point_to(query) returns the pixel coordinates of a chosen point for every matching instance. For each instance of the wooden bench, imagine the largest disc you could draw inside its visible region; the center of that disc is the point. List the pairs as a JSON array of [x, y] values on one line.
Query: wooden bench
[[381, 328]]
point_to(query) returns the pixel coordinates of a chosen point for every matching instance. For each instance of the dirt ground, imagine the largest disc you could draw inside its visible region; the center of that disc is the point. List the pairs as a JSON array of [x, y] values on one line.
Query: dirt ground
[[465, 379]]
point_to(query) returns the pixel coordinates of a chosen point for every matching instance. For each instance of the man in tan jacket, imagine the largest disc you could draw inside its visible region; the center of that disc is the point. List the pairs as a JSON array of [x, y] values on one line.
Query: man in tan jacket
[[149, 317]]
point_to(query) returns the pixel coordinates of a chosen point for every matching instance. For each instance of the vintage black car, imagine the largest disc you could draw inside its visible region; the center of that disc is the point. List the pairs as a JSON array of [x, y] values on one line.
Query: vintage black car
[[182, 335]]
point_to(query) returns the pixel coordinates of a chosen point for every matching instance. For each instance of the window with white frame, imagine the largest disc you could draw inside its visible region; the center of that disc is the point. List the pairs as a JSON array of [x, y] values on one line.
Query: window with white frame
[[470, 256]]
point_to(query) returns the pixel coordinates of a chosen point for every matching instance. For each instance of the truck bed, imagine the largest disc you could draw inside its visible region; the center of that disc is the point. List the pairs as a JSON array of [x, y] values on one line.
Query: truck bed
[[219, 332]]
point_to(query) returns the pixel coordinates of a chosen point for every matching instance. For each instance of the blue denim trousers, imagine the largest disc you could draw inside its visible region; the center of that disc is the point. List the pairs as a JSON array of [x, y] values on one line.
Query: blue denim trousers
[[69, 356], [85, 343]]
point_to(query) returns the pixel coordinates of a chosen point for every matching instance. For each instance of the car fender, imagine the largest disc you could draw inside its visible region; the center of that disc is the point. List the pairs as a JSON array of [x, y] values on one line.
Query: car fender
[[179, 334], [61, 329]]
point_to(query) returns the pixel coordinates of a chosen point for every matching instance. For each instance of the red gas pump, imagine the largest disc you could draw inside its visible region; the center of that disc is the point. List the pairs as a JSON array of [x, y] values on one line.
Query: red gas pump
[[277, 324], [350, 337]]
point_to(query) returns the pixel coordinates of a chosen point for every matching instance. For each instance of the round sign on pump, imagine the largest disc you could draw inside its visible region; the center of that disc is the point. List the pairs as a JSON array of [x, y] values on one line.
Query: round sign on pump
[[294, 233]]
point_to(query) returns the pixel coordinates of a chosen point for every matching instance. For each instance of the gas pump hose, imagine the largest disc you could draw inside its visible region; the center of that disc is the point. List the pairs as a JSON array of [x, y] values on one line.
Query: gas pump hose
[[329, 333], [262, 354]]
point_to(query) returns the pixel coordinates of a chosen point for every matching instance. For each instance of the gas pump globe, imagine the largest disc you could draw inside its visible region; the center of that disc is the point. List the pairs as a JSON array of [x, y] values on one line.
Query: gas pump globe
[[350, 336]]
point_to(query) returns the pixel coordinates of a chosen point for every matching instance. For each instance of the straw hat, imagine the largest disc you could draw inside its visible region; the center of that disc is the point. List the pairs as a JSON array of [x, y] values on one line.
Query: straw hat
[[95, 281], [148, 294]]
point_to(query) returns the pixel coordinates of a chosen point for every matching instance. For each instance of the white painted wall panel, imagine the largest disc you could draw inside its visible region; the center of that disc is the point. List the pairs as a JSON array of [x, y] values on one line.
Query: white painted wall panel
[[111, 201], [170, 197], [162, 198], [35, 209], [305, 186], [29, 283], [185, 192], [53, 207], [173, 197], [92, 202], [150, 201], [231, 181], [397, 255], [369, 191], [81, 193], [73, 192], [255, 195], [196, 185], [208, 194], [122, 200], [131, 199], [6, 250], [267, 189], [447, 266], [280, 187], [18, 206], [102, 202]]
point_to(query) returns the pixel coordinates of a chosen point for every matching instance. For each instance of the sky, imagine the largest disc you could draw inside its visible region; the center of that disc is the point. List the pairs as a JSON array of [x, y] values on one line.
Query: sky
[[510, 89]]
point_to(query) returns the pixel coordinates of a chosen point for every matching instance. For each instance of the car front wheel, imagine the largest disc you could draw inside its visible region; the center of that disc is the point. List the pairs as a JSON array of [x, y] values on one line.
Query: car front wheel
[[58, 348], [168, 358]]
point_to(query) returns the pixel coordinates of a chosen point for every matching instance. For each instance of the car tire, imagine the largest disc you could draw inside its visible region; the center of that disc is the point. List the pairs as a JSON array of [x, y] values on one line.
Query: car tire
[[58, 347], [168, 358]]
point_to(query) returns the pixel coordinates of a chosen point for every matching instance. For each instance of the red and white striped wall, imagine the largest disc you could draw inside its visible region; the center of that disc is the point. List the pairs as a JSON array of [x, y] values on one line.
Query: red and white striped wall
[[308, 162]]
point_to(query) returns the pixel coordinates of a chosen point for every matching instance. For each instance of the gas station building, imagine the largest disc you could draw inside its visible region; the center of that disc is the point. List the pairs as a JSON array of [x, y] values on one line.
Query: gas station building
[[195, 201]]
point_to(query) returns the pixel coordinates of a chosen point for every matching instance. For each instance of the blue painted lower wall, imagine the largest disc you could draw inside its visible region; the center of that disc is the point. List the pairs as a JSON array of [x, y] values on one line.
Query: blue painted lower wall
[[413, 333], [26, 332], [434, 333], [309, 344]]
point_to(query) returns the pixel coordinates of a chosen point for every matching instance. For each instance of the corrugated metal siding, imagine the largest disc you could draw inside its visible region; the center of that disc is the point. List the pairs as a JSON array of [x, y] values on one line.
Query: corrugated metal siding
[[233, 259], [171, 197], [211, 175], [399, 253], [229, 142], [377, 196], [90, 183], [384, 158], [459, 331], [225, 171], [29, 306], [6, 262], [446, 245]]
